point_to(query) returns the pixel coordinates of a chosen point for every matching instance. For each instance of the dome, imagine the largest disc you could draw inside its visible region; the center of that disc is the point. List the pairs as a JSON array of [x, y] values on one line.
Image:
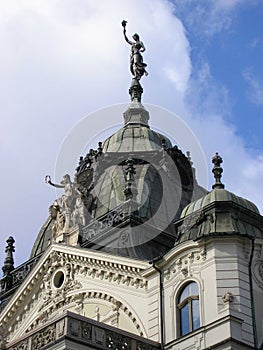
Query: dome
[[218, 195], [43, 239], [135, 178], [135, 138], [136, 135], [218, 213]]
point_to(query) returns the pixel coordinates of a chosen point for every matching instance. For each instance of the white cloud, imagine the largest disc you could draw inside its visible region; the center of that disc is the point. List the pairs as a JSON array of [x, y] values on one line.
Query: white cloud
[[209, 115], [255, 88], [255, 42], [205, 95], [207, 17], [227, 4], [59, 61]]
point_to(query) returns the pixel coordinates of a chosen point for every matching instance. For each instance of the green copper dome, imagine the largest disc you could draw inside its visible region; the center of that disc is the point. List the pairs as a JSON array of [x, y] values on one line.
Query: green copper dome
[[135, 138], [218, 195], [136, 135], [218, 213]]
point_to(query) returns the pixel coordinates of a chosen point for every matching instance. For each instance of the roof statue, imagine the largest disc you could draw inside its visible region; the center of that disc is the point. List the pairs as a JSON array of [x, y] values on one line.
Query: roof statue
[[69, 210], [137, 66]]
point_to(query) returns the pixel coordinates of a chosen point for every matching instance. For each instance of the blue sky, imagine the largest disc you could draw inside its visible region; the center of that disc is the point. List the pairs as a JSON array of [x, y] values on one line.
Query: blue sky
[[62, 60], [234, 51]]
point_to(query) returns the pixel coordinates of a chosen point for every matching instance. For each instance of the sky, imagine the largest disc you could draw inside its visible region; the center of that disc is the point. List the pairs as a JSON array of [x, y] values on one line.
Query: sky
[[63, 62]]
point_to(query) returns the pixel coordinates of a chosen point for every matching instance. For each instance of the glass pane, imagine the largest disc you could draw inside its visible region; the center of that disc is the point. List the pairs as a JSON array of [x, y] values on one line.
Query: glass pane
[[185, 324], [196, 314], [185, 293], [194, 289], [190, 289]]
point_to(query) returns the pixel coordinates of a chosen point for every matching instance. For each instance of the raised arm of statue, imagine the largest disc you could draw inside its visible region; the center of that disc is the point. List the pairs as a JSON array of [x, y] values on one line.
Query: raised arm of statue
[[65, 183], [48, 181], [123, 23]]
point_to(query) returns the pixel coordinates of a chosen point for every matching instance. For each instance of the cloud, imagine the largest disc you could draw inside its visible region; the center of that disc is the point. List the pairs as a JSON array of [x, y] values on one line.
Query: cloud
[[208, 112], [255, 42], [205, 94], [206, 18], [60, 61], [255, 88]]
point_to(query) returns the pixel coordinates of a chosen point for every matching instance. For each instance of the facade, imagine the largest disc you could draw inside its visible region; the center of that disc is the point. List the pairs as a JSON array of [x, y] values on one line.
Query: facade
[[137, 255]]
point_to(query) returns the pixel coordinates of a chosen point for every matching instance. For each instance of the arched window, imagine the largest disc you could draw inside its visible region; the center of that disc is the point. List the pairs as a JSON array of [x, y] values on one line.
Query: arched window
[[188, 307]]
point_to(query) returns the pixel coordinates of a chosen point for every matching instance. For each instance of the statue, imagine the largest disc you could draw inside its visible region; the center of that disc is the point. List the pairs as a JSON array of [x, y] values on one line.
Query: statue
[[78, 215], [137, 66], [58, 217], [70, 191], [65, 204]]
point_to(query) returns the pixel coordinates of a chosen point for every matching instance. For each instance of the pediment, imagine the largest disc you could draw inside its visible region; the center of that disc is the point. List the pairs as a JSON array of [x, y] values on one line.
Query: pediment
[[78, 280]]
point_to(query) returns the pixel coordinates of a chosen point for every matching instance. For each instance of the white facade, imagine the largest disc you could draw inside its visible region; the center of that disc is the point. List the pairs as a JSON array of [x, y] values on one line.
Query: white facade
[[125, 293]]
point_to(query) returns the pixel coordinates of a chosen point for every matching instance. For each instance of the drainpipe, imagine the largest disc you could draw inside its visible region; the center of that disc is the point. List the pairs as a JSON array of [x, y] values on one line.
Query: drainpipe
[[161, 293], [251, 294]]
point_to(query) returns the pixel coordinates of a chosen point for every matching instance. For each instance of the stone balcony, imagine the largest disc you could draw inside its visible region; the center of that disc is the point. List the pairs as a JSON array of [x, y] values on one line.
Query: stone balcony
[[74, 332]]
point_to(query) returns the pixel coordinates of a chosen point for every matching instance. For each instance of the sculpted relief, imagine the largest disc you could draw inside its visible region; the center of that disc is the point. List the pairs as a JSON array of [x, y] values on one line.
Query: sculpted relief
[[70, 210]]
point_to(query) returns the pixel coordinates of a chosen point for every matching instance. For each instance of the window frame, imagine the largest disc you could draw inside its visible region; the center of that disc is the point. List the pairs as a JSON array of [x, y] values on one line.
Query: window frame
[[187, 300]]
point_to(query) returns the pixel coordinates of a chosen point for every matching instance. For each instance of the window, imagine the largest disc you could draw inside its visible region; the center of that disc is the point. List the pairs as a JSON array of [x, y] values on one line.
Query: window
[[188, 307]]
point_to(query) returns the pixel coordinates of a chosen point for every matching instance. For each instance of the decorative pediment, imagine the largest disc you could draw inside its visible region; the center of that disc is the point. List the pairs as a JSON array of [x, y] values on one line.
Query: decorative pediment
[[69, 279]]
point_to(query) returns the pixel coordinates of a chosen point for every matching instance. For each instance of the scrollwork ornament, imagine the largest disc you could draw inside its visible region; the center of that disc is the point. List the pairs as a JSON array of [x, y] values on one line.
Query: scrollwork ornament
[[43, 338]]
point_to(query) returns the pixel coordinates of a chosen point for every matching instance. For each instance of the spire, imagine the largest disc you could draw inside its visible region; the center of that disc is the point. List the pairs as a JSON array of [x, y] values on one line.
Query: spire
[[9, 260], [137, 66], [217, 171]]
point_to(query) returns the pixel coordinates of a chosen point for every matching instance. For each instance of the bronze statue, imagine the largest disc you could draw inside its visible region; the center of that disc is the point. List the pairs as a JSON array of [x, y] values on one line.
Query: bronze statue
[[137, 66]]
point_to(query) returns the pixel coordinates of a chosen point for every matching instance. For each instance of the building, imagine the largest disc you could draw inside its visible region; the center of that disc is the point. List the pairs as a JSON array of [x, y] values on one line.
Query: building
[[137, 255]]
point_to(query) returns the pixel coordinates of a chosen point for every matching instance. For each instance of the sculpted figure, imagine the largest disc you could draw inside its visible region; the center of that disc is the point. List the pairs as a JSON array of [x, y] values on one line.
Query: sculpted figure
[[137, 66], [57, 215], [70, 191], [66, 203], [78, 215]]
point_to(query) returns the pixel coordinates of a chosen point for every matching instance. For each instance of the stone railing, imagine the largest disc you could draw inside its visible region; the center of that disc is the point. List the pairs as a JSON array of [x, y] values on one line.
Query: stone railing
[[20, 273], [76, 330], [102, 224], [17, 276]]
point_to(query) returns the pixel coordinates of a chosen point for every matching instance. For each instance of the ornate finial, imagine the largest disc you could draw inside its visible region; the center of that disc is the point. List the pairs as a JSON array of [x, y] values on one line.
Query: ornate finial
[[137, 66], [217, 171], [135, 91], [9, 260], [129, 178]]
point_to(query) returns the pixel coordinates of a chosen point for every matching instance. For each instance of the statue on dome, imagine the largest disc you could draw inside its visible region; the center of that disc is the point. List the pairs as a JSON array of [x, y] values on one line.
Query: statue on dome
[[70, 191], [137, 66], [69, 209]]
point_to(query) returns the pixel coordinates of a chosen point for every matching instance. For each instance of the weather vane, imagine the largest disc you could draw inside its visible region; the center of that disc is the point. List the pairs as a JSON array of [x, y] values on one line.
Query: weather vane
[[137, 66]]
